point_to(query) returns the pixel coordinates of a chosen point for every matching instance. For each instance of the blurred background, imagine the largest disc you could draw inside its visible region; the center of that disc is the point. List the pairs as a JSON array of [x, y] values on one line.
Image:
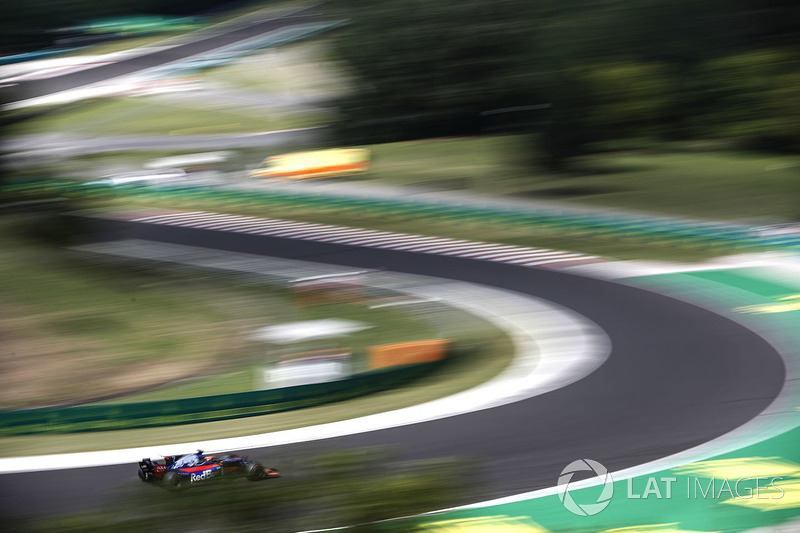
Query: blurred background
[[649, 130]]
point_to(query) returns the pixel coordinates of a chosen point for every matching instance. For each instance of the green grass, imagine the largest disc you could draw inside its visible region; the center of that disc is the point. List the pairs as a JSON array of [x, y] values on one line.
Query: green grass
[[147, 116], [74, 331], [111, 321], [301, 69], [713, 185], [93, 166], [491, 165], [232, 382], [491, 353], [668, 179], [123, 330], [719, 184], [386, 326]]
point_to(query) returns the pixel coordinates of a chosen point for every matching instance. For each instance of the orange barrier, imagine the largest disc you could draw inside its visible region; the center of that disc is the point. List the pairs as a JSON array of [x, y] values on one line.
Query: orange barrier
[[406, 353]]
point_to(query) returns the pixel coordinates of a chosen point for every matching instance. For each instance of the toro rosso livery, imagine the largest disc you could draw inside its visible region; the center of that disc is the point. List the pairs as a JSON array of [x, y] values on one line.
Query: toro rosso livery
[[178, 471]]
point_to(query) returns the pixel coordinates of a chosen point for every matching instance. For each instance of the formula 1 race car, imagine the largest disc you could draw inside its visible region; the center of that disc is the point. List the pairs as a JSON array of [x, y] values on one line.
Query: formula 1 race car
[[180, 471]]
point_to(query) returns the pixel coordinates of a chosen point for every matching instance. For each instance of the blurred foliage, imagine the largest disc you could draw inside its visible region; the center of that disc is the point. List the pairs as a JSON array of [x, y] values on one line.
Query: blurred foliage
[[342, 488], [670, 69], [753, 96], [42, 201], [429, 68]]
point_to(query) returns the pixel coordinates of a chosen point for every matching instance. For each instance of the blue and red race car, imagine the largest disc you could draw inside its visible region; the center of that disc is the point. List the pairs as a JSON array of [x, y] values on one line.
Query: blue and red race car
[[180, 471]]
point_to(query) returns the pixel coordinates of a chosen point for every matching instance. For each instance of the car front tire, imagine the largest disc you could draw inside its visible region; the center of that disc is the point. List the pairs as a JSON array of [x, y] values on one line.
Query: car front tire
[[255, 471]]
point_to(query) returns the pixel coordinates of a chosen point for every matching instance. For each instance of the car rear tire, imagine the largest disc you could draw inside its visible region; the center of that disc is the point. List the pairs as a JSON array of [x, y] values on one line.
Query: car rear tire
[[173, 481]]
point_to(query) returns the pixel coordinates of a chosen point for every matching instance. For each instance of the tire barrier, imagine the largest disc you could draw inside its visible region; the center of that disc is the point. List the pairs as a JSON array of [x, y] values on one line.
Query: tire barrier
[[406, 353]]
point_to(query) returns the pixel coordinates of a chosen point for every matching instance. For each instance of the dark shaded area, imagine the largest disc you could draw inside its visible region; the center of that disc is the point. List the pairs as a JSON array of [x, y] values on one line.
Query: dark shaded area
[[574, 72]]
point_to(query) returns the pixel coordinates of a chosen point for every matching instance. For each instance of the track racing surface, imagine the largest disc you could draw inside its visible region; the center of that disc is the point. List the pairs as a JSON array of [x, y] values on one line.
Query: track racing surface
[[677, 376]]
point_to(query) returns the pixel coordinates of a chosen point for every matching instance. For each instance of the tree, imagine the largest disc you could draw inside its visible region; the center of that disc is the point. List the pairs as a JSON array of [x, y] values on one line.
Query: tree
[[631, 99], [751, 97], [609, 69], [429, 68]]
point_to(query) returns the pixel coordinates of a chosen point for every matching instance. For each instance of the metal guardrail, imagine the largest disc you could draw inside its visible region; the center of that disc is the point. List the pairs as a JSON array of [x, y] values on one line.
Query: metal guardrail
[[100, 417]]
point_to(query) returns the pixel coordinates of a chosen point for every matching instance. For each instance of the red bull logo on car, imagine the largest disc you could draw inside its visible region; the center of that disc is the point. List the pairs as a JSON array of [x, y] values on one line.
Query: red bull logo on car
[[202, 476]]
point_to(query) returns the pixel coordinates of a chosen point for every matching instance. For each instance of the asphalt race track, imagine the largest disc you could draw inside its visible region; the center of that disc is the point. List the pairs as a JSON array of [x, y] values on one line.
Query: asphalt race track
[[212, 41], [677, 376]]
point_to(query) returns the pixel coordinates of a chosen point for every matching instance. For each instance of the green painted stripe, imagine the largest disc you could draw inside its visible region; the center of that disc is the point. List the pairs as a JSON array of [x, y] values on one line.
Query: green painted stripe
[[751, 280]]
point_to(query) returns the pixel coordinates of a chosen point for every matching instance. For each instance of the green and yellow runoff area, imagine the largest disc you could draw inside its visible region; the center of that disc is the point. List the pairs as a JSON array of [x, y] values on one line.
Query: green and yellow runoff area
[[753, 487]]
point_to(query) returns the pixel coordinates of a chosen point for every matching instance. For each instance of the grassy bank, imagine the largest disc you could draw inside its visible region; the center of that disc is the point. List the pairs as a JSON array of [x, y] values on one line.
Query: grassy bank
[[151, 115], [668, 178], [303, 69], [74, 331], [489, 357]]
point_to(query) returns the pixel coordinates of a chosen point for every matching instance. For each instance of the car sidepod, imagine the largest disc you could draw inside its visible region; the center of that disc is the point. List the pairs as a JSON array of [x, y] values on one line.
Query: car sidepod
[[202, 473]]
